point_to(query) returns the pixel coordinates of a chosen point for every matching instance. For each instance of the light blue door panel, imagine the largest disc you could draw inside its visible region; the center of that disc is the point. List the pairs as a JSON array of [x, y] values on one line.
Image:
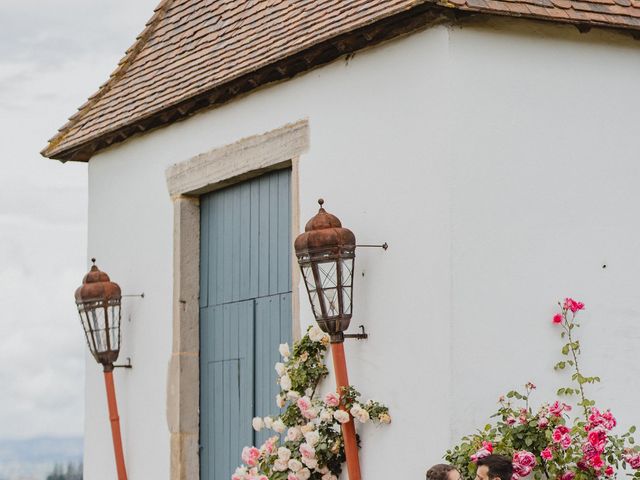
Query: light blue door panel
[[245, 313]]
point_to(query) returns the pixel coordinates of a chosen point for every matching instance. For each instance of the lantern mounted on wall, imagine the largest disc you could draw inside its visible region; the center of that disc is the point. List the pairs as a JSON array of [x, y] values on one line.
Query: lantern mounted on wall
[[98, 300], [326, 253]]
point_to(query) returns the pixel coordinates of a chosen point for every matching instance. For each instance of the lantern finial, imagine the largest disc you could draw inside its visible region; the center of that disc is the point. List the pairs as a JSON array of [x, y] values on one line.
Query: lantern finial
[[321, 202], [93, 260]]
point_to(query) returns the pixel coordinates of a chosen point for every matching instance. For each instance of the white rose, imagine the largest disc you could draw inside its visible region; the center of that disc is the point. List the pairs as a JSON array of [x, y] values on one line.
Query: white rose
[[341, 416], [280, 401], [241, 471], [257, 424], [307, 427], [363, 416], [280, 370], [293, 395], [355, 410], [280, 465], [310, 462], [312, 438], [329, 476], [284, 454], [294, 434], [268, 422], [308, 392], [284, 350], [326, 415], [303, 474], [285, 382], [294, 465], [324, 469], [279, 426], [316, 334], [384, 418]]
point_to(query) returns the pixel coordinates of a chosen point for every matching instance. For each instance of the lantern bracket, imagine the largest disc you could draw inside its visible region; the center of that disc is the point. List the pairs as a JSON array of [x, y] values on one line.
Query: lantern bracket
[[140, 295], [126, 365], [358, 336], [384, 246]]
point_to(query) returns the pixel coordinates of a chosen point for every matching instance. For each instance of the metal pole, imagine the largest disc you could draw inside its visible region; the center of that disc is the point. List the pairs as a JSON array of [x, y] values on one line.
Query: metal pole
[[115, 422], [348, 429]]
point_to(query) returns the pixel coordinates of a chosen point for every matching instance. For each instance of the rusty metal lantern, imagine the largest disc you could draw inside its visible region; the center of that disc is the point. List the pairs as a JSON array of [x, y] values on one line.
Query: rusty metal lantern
[[326, 253], [98, 301]]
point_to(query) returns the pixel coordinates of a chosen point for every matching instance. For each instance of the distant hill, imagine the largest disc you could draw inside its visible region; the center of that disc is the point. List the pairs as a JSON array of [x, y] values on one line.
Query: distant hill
[[33, 459]]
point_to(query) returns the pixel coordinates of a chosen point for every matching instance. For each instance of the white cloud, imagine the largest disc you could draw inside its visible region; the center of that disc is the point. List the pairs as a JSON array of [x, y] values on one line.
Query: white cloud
[[53, 55]]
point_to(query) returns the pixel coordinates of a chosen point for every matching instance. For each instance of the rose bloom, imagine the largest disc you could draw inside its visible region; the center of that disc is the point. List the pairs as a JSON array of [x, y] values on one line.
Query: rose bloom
[[280, 370], [633, 459], [307, 451], [557, 318], [521, 470], [522, 419], [250, 456], [524, 458], [294, 434], [568, 475], [565, 442], [279, 426], [311, 463], [511, 420], [316, 334], [596, 462], [326, 415], [384, 418], [329, 476], [573, 305], [546, 454], [608, 471], [292, 476], [332, 399], [280, 401], [312, 438], [310, 413], [303, 474], [304, 403], [284, 350], [284, 454], [294, 465], [598, 439], [341, 416], [285, 382], [257, 424], [543, 422], [559, 432]]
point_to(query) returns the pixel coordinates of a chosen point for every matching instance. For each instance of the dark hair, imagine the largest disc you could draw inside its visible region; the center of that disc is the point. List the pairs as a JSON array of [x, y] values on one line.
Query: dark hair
[[439, 471], [499, 466]]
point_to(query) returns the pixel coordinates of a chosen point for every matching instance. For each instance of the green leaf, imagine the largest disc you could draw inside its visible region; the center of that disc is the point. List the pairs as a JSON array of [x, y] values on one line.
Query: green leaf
[[632, 429], [565, 349]]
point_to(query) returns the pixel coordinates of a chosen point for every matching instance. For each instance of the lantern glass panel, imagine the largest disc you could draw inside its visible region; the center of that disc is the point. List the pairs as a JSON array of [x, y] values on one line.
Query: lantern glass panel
[[99, 328], [328, 275], [346, 265], [114, 324], [310, 282]]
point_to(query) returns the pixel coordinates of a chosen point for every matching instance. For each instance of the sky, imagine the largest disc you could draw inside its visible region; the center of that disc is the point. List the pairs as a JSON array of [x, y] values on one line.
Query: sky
[[53, 55]]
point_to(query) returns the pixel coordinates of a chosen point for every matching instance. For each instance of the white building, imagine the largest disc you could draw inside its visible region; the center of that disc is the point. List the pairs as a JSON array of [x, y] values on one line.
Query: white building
[[492, 144]]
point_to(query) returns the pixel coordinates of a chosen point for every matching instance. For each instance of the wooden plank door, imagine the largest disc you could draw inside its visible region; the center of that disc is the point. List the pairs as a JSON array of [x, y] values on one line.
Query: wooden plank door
[[245, 313]]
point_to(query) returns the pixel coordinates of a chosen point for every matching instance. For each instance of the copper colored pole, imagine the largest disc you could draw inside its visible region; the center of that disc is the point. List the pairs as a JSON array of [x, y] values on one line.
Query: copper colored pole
[[115, 424], [348, 429]]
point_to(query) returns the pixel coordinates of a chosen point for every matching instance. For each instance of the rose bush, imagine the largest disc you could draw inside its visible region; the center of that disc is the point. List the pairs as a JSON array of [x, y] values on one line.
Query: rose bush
[[549, 442], [308, 442]]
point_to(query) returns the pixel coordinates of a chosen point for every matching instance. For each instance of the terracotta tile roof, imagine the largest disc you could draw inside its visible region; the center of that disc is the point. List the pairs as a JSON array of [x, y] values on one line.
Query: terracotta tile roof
[[197, 53]]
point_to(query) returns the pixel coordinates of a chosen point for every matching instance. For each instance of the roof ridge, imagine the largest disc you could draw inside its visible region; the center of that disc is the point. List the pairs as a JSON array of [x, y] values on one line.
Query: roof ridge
[[125, 62]]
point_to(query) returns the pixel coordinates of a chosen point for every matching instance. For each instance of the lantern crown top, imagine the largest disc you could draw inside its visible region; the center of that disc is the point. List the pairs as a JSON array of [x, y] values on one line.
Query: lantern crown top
[[96, 285], [324, 230]]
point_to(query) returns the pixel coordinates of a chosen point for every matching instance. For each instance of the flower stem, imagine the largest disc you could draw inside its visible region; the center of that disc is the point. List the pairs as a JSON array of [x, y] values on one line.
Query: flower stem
[[574, 354]]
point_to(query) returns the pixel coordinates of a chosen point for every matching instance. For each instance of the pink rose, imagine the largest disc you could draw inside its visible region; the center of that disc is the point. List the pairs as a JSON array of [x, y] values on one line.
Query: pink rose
[[558, 408], [598, 439], [568, 475], [565, 442], [510, 420], [633, 459], [486, 450], [557, 318], [606, 419], [573, 305], [543, 422], [332, 399], [250, 456], [292, 476], [304, 403], [559, 432], [596, 462], [546, 454], [608, 471], [524, 458]]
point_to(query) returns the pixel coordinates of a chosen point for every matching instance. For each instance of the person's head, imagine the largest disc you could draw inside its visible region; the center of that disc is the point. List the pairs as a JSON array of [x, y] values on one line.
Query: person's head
[[443, 471], [494, 467]]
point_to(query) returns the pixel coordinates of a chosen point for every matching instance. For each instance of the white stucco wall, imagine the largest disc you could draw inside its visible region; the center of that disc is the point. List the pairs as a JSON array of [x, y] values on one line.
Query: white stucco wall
[[497, 161]]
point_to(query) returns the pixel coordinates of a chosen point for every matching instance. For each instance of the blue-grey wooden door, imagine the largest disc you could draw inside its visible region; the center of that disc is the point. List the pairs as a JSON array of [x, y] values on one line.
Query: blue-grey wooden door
[[245, 313]]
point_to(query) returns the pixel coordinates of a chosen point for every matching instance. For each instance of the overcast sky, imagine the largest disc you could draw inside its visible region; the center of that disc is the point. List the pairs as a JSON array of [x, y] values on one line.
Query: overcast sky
[[53, 55]]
